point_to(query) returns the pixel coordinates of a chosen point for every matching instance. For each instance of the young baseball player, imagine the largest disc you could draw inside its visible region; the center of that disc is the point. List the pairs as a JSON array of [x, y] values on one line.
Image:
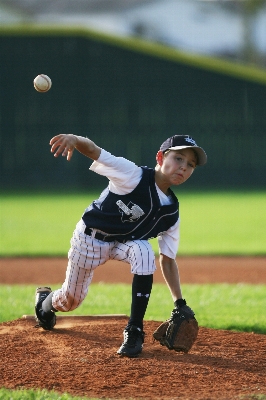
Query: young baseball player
[[137, 205]]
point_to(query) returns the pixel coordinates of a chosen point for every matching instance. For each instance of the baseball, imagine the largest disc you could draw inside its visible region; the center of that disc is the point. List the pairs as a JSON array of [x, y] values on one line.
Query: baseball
[[42, 83]]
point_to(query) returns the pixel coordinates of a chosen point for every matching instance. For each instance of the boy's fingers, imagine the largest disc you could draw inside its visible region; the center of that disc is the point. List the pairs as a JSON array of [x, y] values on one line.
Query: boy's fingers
[[54, 139], [69, 154], [56, 146], [61, 145]]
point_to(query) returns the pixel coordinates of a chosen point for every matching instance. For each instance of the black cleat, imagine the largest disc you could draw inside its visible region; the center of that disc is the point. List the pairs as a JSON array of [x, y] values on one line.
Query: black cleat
[[133, 342], [44, 320]]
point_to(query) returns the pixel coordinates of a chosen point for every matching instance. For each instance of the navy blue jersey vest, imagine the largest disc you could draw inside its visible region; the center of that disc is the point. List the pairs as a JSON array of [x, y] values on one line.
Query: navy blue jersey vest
[[136, 215]]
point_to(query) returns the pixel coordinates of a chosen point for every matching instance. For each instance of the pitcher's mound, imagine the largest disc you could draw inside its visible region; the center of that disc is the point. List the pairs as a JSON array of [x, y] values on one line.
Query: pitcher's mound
[[79, 357]]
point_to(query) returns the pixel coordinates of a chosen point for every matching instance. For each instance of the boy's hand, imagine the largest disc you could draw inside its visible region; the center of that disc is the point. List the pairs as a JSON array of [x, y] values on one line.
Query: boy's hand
[[63, 144]]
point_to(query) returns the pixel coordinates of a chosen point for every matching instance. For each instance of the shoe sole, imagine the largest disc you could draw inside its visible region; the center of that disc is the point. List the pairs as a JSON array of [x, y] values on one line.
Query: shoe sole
[[125, 354], [128, 355]]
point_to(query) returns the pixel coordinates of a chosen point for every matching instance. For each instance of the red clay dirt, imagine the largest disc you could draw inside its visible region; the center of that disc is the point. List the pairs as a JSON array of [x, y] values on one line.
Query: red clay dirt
[[79, 355]]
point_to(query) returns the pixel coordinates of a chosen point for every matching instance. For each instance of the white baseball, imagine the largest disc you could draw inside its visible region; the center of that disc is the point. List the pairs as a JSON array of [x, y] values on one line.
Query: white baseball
[[42, 83]]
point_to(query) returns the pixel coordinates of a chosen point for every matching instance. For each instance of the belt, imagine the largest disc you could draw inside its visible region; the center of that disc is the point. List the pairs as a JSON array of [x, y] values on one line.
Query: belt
[[99, 235]]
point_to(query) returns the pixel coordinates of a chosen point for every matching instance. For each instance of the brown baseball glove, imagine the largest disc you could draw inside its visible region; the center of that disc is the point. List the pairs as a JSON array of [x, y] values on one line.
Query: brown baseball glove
[[180, 331]]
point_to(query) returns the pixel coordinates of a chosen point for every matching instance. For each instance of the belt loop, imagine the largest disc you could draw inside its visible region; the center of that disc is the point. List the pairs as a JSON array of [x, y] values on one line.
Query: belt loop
[[90, 232], [93, 232]]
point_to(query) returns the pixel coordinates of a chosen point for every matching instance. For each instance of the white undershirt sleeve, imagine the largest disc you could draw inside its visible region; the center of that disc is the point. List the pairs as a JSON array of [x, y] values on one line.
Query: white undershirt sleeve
[[169, 241], [123, 174]]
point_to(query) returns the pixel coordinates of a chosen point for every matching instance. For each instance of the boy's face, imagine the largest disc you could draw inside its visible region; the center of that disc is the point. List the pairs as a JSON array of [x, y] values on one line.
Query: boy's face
[[176, 166]]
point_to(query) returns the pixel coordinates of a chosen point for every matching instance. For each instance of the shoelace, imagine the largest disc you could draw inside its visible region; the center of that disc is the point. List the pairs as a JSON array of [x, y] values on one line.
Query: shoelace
[[131, 337], [43, 296]]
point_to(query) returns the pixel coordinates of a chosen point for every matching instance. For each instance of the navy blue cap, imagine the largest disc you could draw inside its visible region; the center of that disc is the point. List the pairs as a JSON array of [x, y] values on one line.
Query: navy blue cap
[[179, 142]]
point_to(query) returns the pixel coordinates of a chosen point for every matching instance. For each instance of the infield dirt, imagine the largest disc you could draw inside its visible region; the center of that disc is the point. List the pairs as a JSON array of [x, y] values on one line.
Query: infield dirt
[[79, 355]]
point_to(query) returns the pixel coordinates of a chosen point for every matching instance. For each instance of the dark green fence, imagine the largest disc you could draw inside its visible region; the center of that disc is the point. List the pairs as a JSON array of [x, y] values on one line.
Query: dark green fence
[[128, 102]]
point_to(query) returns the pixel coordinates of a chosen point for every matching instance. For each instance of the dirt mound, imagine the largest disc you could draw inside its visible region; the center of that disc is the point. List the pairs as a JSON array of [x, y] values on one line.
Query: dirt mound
[[79, 357]]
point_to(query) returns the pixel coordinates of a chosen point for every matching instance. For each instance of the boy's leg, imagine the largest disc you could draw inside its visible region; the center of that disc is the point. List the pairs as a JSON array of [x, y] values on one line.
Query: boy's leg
[[141, 257], [84, 256], [69, 297], [133, 333], [141, 290]]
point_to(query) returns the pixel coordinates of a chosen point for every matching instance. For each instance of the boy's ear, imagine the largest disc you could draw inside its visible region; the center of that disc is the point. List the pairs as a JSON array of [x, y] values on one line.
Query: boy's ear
[[159, 157]]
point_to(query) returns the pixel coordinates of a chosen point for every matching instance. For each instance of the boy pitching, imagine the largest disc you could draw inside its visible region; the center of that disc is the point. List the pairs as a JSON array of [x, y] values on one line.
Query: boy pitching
[[137, 205]]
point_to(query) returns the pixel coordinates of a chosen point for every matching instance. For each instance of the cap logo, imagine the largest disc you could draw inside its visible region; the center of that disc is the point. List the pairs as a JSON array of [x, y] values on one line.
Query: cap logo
[[190, 140]]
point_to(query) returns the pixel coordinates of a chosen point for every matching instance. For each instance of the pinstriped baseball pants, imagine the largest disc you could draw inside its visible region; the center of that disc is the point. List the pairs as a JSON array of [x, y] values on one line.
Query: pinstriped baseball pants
[[87, 253]]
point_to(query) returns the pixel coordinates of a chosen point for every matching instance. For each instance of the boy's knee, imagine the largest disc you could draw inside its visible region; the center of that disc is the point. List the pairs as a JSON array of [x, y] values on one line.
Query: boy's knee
[[142, 258], [66, 302], [72, 303]]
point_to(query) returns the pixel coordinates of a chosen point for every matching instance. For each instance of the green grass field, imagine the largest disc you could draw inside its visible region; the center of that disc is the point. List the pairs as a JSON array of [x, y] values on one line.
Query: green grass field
[[219, 306], [218, 223], [21, 394], [6, 394]]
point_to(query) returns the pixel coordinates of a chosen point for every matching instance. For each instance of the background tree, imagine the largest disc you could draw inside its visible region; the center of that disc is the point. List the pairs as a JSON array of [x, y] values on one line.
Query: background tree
[[249, 11]]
